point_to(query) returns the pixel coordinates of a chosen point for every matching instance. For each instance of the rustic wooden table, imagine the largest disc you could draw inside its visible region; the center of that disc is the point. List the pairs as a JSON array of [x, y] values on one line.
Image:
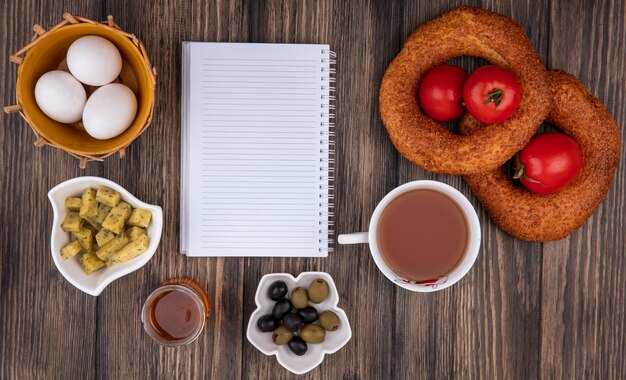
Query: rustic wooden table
[[526, 310]]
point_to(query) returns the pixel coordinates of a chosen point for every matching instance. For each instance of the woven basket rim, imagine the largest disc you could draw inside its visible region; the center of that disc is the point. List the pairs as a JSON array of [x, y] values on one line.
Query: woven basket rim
[[74, 21]]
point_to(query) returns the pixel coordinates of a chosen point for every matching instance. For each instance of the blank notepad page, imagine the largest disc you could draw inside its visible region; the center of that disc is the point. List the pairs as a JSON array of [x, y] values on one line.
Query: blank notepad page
[[256, 146]]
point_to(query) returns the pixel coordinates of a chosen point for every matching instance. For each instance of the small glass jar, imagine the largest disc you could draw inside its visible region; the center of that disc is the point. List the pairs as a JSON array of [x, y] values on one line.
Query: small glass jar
[[175, 313]]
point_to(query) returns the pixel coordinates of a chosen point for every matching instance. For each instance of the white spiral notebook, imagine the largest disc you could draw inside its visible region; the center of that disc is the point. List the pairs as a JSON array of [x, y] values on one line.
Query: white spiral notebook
[[257, 149]]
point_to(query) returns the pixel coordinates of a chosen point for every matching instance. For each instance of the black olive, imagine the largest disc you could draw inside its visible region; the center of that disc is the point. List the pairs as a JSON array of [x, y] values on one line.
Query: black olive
[[277, 290], [308, 314], [267, 323], [281, 308], [298, 346], [292, 322]]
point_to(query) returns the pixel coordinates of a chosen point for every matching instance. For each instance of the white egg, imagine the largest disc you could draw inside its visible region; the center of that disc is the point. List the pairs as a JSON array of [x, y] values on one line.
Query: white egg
[[109, 111], [60, 96], [94, 60]]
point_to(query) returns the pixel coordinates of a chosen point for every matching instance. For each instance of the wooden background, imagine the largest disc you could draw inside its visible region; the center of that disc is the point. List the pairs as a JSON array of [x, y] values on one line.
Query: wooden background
[[526, 310]]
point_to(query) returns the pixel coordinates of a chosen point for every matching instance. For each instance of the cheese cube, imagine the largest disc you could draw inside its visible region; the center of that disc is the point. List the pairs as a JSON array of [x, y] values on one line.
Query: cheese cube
[[72, 203], [70, 250], [111, 247], [116, 218], [130, 250], [85, 238], [103, 211], [90, 262], [104, 236], [108, 196], [88, 204], [134, 232], [72, 222], [140, 218]]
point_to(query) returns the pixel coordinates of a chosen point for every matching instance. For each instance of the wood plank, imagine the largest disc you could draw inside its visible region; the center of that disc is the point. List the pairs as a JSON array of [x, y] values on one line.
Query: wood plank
[[151, 172], [583, 300], [44, 320], [487, 324], [366, 36], [279, 22], [360, 34]]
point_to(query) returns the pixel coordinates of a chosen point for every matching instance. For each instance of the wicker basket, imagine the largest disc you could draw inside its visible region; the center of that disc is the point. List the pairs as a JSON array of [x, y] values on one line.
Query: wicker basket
[[47, 52]]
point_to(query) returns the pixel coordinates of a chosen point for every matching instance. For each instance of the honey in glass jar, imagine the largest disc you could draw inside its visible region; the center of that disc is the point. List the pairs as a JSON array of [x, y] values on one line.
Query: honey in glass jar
[[175, 313]]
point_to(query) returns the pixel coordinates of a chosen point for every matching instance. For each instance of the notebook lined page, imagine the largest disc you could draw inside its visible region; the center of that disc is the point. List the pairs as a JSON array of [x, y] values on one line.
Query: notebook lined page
[[257, 150]]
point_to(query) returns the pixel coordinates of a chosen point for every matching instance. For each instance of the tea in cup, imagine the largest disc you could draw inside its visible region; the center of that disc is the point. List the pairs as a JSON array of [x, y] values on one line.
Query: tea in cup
[[424, 236]]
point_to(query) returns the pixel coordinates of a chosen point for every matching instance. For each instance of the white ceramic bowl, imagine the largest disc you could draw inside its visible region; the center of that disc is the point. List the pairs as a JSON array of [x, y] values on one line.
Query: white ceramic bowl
[[95, 283], [315, 353]]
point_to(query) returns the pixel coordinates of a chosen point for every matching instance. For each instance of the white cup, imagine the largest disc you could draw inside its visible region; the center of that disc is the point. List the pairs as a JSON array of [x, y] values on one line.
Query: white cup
[[450, 278]]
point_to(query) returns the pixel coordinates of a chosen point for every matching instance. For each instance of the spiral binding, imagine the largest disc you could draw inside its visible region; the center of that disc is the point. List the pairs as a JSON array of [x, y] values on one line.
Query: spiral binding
[[327, 152]]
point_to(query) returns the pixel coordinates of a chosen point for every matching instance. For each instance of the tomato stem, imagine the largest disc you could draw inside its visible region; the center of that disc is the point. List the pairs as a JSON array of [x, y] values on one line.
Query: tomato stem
[[494, 96], [520, 173]]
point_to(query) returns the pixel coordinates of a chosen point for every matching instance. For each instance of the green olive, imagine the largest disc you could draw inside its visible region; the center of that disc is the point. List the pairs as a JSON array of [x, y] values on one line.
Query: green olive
[[281, 335], [313, 333], [318, 291], [299, 298], [329, 320]]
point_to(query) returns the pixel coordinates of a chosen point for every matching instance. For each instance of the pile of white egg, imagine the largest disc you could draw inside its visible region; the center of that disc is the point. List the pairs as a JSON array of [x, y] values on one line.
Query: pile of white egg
[[110, 109]]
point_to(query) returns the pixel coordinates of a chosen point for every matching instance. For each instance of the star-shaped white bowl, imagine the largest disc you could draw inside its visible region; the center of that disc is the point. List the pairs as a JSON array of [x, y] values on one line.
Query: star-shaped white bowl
[[316, 352], [95, 283]]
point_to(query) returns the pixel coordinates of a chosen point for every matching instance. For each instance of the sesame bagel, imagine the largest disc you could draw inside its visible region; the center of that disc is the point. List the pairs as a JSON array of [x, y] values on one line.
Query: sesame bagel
[[462, 32], [535, 217]]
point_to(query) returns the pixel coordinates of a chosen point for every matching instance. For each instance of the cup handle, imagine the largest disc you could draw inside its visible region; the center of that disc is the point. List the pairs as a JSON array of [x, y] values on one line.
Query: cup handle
[[354, 238]]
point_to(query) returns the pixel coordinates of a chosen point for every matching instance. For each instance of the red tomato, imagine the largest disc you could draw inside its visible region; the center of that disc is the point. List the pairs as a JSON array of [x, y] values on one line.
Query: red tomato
[[491, 94], [441, 92], [548, 163]]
